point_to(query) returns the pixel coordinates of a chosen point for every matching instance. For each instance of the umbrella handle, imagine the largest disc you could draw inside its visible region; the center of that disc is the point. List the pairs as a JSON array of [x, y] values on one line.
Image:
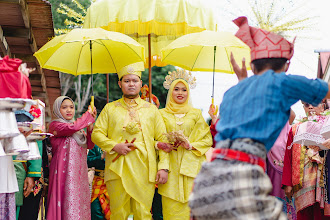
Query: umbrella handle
[[92, 102], [216, 108]]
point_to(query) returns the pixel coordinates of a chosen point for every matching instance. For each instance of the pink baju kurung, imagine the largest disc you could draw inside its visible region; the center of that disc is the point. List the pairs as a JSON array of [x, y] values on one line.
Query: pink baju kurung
[[275, 161], [68, 193]]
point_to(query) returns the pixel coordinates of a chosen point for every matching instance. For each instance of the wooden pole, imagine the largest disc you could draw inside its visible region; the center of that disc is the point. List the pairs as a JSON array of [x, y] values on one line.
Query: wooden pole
[[150, 84]]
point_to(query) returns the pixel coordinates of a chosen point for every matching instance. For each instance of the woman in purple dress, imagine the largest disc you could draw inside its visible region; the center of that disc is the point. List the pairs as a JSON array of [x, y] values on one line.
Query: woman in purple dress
[[68, 193]]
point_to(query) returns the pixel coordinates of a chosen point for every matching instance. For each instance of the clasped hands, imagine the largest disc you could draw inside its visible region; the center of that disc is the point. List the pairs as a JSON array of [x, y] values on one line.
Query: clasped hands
[[124, 148], [169, 147]]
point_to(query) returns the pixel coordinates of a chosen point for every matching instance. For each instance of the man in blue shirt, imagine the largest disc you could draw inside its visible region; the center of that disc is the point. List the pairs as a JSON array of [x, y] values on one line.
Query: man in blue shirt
[[252, 114]]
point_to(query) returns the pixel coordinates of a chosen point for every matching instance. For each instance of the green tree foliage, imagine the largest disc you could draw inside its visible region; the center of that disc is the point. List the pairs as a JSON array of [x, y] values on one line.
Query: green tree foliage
[[68, 14]]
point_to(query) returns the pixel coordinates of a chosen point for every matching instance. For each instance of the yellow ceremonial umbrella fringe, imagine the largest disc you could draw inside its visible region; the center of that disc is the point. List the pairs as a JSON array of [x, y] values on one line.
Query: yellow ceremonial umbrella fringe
[[152, 23], [143, 17], [159, 28]]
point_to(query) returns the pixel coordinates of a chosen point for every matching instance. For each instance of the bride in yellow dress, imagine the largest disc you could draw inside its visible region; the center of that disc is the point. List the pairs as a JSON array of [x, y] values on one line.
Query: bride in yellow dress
[[185, 162]]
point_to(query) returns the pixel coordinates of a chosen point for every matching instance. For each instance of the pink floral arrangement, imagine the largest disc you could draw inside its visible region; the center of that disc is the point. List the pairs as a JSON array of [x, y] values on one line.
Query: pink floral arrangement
[[35, 111]]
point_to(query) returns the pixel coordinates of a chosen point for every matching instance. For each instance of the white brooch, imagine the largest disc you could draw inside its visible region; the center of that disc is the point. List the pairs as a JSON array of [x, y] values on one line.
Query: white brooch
[[130, 69]]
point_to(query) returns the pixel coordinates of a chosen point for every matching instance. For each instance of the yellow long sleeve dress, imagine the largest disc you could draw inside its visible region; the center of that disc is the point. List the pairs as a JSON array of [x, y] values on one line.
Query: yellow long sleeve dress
[[130, 179], [184, 164]]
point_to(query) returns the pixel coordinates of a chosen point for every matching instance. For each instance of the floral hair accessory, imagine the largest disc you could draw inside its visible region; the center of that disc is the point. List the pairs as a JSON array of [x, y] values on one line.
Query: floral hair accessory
[[179, 74]]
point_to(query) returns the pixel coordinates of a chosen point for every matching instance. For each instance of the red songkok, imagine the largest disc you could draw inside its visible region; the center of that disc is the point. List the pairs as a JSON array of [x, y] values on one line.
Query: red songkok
[[263, 44]]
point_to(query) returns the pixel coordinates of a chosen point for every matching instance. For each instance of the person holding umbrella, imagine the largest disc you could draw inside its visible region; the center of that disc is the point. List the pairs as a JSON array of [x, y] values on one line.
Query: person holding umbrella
[[234, 184], [68, 191], [128, 130]]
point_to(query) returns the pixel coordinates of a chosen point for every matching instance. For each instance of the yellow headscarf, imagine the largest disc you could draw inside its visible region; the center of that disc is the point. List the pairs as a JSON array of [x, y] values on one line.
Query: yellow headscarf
[[172, 106]]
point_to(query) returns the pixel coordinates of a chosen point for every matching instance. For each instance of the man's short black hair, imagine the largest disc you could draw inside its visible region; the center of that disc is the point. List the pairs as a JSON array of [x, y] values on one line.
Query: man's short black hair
[[269, 63]]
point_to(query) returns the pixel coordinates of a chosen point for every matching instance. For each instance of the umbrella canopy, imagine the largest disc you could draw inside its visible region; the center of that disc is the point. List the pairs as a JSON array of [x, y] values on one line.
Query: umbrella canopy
[[153, 23], [164, 20], [142, 17], [89, 51], [206, 51]]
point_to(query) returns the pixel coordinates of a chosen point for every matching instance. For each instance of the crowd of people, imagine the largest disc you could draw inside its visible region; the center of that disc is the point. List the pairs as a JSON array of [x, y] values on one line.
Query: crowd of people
[[144, 158]]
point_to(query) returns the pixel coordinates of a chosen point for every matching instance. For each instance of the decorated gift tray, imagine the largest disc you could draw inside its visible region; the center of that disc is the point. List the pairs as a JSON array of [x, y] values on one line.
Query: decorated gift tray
[[325, 130], [308, 133], [27, 126], [38, 136], [11, 103], [308, 139]]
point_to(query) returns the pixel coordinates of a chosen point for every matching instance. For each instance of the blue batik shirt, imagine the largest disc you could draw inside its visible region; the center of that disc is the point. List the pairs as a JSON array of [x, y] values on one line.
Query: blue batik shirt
[[259, 106]]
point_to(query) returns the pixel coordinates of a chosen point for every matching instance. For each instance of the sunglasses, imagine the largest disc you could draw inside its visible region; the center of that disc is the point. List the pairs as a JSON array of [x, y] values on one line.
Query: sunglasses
[[306, 105]]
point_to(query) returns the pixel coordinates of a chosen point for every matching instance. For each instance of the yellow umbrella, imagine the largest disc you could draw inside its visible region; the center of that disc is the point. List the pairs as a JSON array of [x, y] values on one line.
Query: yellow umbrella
[[89, 51], [153, 23], [206, 51]]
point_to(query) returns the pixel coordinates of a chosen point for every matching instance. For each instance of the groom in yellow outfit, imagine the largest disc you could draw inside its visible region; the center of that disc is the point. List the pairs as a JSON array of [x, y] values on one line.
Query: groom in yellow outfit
[[129, 130]]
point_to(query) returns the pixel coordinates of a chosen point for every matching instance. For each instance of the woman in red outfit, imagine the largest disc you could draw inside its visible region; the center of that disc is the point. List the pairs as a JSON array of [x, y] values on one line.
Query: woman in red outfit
[[303, 174]]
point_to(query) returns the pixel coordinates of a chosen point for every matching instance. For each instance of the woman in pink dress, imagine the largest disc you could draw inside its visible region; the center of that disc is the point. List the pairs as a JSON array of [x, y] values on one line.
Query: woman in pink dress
[[68, 193]]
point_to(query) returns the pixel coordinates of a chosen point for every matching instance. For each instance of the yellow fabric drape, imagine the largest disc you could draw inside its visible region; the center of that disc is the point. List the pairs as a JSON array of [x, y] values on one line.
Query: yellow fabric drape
[[164, 20], [173, 210], [185, 164], [124, 205], [171, 105], [159, 17]]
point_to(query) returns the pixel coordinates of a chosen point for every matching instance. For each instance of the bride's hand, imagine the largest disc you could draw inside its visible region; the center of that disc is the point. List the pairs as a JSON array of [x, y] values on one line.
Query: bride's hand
[[166, 147], [186, 145]]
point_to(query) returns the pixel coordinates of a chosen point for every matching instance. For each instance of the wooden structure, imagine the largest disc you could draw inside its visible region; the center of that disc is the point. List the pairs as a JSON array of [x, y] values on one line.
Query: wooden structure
[[25, 26], [323, 71]]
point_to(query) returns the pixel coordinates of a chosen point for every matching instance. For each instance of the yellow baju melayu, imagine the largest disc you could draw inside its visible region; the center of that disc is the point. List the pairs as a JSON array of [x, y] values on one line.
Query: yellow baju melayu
[[131, 178], [184, 164]]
